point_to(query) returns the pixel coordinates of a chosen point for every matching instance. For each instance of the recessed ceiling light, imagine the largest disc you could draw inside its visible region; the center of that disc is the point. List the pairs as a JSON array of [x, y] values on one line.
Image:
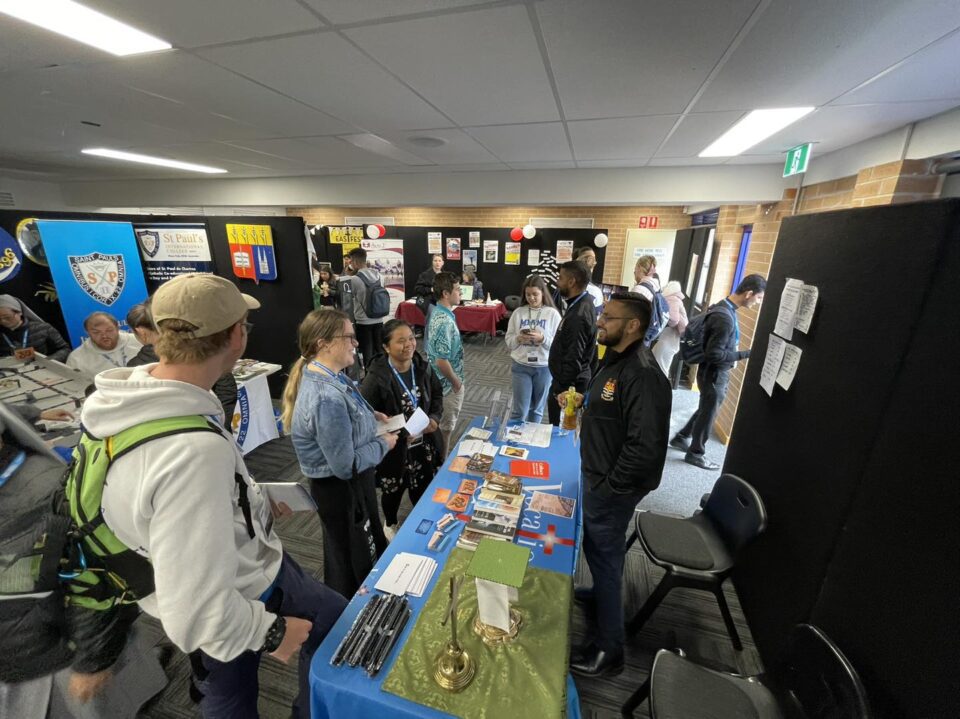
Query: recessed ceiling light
[[83, 24], [426, 141], [753, 129], [150, 160]]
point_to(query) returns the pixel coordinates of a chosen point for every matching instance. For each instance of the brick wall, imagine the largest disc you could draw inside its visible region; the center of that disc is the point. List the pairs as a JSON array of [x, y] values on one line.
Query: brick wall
[[614, 219], [896, 182]]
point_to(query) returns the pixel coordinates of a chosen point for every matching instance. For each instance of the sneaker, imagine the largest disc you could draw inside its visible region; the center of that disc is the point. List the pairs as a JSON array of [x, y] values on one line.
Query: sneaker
[[390, 531]]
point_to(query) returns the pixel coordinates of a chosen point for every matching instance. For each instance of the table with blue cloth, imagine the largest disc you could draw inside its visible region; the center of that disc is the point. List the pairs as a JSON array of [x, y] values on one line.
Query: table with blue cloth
[[344, 691]]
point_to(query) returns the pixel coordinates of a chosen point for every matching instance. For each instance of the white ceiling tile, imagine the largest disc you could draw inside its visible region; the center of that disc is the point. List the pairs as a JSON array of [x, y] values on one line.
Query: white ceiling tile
[[189, 23], [339, 12], [328, 73], [480, 68], [458, 148], [536, 142], [26, 47], [772, 159], [615, 58], [696, 132], [633, 162], [808, 53], [914, 78], [569, 165], [619, 139], [681, 161], [321, 152]]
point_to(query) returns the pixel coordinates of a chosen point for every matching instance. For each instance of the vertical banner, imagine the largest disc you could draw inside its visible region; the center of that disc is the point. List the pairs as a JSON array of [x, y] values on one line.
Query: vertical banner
[[386, 257], [171, 250], [251, 252], [95, 267]]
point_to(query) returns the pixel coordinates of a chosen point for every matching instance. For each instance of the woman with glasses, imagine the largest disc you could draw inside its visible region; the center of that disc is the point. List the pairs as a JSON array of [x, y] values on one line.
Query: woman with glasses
[[529, 336], [334, 432], [400, 381]]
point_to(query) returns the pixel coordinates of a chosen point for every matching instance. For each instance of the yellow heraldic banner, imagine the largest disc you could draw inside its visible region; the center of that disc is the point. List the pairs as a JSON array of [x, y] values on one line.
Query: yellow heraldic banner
[[251, 252]]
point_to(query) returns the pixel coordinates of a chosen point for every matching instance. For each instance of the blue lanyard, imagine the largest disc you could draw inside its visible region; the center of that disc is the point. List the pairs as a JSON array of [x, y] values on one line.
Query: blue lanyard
[[413, 376], [26, 337], [736, 322], [345, 381], [12, 468], [571, 304]]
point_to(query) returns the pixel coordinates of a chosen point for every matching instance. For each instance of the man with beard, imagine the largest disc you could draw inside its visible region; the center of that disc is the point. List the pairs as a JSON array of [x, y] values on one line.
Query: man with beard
[[574, 345], [623, 444], [105, 347]]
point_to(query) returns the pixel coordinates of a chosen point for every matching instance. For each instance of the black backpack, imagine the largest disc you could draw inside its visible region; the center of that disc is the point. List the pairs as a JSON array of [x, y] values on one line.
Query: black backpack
[[377, 301], [691, 343], [659, 314]]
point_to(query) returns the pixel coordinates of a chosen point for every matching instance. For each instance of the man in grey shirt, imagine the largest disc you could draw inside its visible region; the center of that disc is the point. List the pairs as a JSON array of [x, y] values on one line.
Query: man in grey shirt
[[369, 330]]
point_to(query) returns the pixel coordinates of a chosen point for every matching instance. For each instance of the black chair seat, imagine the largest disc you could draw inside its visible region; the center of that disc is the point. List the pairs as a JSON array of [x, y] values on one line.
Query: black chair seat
[[689, 542], [682, 689]]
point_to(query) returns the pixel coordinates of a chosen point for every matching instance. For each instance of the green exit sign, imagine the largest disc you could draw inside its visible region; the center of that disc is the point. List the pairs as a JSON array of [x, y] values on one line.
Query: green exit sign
[[798, 159]]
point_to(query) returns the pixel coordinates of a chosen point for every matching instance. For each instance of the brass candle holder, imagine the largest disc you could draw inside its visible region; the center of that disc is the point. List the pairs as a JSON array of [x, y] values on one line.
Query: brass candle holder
[[494, 636], [454, 667]]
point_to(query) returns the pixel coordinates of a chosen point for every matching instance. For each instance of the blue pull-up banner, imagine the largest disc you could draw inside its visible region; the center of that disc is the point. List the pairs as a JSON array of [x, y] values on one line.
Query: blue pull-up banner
[[95, 267]]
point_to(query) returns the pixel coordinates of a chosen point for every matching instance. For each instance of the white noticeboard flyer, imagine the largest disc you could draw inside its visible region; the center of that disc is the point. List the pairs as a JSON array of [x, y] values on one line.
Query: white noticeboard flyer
[[771, 364], [491, 251], [789, 301], [808, 303], [533, 258], [788, 368], [474, 238], [564, 251], [435, 243]]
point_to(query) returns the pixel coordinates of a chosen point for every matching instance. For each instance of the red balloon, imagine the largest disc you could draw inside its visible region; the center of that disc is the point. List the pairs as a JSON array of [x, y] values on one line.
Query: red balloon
[[383, 230], [516, 234]]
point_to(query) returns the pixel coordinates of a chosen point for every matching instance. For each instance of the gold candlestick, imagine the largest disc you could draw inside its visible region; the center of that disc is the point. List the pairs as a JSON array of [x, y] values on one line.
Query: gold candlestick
[[455, 668]]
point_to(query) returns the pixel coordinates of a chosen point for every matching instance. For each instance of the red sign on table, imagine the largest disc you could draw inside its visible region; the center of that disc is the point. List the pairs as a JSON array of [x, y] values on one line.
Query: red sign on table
[[649, 222]]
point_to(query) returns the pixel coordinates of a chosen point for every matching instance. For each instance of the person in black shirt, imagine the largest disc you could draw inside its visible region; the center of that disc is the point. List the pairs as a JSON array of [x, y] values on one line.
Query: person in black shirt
[[20, 328], [721, 338], [574, 345], [623, 445]]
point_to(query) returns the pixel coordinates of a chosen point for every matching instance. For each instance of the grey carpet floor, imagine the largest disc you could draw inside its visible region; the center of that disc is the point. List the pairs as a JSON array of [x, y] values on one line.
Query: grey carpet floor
[[686, 619]]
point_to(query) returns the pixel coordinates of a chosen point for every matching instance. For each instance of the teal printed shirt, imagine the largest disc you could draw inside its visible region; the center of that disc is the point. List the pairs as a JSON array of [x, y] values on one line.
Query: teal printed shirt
[[444, 343]]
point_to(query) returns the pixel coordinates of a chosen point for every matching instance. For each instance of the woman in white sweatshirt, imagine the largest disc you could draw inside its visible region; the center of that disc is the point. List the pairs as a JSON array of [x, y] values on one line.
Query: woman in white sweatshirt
[[668, 343], [529, 335]]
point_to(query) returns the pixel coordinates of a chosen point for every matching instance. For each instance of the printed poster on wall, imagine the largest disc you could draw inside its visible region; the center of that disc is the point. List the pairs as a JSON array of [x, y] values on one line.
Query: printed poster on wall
[[386, 257], [453, 248], [95, 267], [469, 258], [564, 251], [533, 257], [348, 237], [171, 250], [435, 243], [251, 252], [511, 253], [475, 239], [491, 251]]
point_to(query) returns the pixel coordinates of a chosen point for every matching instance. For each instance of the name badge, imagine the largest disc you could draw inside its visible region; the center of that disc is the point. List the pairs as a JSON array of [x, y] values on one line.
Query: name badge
[[533, 359]]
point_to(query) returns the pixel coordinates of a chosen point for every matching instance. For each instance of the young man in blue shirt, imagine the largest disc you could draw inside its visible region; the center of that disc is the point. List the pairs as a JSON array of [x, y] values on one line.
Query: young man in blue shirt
[[445, 350]]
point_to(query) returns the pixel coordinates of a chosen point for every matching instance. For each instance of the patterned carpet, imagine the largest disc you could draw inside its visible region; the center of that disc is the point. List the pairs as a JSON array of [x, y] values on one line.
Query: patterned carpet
[[686, 619]]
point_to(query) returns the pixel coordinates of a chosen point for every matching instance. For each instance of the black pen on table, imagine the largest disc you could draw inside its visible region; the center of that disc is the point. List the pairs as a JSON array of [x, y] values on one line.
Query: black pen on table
[[394, 636], [389, 620], [348, 638], [369, 631]]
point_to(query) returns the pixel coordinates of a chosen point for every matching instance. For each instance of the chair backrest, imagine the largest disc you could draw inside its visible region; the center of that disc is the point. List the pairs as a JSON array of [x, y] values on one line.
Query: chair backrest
[[512, 302], [737, 511], [820, 678]]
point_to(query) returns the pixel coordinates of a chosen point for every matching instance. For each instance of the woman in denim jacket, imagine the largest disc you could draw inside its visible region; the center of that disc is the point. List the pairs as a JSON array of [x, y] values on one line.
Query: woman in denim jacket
[[334, 433]]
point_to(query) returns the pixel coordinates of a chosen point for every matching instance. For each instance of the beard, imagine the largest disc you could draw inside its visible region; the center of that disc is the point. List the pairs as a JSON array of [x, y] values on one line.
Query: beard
[[610, 338]]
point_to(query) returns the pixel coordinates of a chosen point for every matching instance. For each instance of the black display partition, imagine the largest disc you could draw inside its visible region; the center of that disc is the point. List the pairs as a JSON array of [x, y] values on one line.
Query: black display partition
[[284, 302], [852, 462], [498, 279]]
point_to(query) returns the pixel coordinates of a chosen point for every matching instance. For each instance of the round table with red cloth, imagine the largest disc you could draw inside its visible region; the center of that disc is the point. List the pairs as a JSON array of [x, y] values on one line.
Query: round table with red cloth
[[470, 318]]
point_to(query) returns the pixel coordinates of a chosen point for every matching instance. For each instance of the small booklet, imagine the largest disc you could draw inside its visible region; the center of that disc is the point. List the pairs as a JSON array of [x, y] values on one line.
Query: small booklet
[[394, 424], [529, 468], [292, 494]]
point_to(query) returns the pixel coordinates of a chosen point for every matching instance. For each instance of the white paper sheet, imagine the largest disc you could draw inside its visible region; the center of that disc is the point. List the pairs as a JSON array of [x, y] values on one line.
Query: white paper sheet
[[417, 423], [394, 424], [469, 447], [788, 368], [493, 601], [477, 433], [808, 303], [533, 258], [531, 433], [292, 494], [771, 364], [789, 301], [407, 573]]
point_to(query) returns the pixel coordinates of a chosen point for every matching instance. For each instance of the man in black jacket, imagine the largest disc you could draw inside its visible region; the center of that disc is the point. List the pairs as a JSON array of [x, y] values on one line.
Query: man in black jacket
[[574, 345], [623, 444], [721, 338]]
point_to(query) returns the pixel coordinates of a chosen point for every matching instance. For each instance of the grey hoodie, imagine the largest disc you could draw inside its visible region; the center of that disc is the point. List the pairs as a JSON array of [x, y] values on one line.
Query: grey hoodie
[[174, 500]]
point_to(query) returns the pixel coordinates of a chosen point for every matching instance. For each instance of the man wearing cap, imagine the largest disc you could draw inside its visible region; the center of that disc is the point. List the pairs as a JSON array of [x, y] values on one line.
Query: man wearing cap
[[183, 498], [21, 328]]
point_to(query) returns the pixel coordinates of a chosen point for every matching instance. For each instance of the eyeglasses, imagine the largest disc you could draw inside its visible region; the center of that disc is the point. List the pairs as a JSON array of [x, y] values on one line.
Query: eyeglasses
[[351, 337], [604, 316]]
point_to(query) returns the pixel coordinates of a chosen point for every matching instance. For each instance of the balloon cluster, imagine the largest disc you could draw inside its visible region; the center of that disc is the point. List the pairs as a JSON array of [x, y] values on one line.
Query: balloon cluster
[[375, 232], [528, 232]]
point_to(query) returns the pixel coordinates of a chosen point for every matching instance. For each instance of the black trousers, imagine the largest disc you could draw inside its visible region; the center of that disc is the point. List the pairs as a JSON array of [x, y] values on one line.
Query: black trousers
[[353, 536], [370, 338], [713, 385]]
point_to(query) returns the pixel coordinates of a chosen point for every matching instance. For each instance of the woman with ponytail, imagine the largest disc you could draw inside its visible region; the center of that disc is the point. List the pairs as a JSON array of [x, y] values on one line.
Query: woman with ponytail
[[334, 433]]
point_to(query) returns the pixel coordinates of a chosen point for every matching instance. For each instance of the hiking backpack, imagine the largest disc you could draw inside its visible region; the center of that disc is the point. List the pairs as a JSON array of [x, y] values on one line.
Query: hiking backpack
[[376, 303], [659, 314]]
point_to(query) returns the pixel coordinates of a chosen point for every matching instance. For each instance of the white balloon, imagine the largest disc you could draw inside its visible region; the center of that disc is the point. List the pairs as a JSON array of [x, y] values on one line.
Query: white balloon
[[373, 232], [529, 231], [601, 240]]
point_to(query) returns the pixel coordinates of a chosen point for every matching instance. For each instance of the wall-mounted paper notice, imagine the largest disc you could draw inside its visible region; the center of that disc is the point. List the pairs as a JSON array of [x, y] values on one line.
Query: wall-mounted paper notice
[[789, 301], [771, 364], [533, 258], [788, 368], [808, 303]]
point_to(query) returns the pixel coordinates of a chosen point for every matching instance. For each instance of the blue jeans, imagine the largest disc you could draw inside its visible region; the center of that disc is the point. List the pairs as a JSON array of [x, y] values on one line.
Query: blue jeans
[[530, 385], [229, 689]]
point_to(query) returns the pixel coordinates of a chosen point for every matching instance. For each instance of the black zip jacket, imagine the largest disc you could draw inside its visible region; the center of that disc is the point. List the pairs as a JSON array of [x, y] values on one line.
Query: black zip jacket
[[574, 346], [626, 423], [381, 389], [719, 338], [43, 338]]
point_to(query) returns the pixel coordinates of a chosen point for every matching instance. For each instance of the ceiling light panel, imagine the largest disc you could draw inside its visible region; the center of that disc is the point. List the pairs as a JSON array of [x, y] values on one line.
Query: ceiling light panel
[[756, 127], [151, 160]]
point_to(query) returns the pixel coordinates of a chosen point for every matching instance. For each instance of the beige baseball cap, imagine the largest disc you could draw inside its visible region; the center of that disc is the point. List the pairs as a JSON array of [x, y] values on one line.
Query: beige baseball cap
[[210, 302]]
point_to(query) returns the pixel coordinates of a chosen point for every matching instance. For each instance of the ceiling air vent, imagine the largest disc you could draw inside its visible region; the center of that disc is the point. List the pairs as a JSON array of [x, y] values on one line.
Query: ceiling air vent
[[6, 199]]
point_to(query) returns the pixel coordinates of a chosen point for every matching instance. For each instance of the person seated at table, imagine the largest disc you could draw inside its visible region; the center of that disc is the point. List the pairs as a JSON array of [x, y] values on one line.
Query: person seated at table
[[470, 279], [334, 433], [20, 327], [326, 292], [529, 336], [400, 383], [105, 347], [140, 320]]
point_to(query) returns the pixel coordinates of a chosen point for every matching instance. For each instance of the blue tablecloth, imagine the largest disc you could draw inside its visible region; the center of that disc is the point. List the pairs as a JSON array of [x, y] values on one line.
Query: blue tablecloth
[[338, 692]]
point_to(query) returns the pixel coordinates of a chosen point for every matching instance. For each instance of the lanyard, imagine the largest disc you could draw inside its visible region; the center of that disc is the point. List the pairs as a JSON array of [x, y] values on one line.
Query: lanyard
[[736, 323], [571, 304], [534, 320], [109, 358], [26, 337], [411, 393], [345, 381], [12, 468]]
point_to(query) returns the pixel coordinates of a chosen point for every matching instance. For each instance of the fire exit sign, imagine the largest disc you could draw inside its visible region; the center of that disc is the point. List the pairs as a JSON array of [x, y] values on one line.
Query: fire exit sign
[[649, 221], [798, 159]]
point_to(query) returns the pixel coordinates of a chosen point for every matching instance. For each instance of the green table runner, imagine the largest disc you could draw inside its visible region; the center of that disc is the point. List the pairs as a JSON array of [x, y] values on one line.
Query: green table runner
[[525, 678]]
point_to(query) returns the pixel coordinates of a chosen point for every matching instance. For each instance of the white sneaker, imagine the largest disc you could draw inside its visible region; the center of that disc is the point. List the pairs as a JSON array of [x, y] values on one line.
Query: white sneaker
[[390, 531]]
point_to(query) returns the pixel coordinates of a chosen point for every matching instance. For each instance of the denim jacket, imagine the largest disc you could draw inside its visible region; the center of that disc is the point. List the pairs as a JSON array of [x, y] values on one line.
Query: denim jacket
[[333, 431]]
